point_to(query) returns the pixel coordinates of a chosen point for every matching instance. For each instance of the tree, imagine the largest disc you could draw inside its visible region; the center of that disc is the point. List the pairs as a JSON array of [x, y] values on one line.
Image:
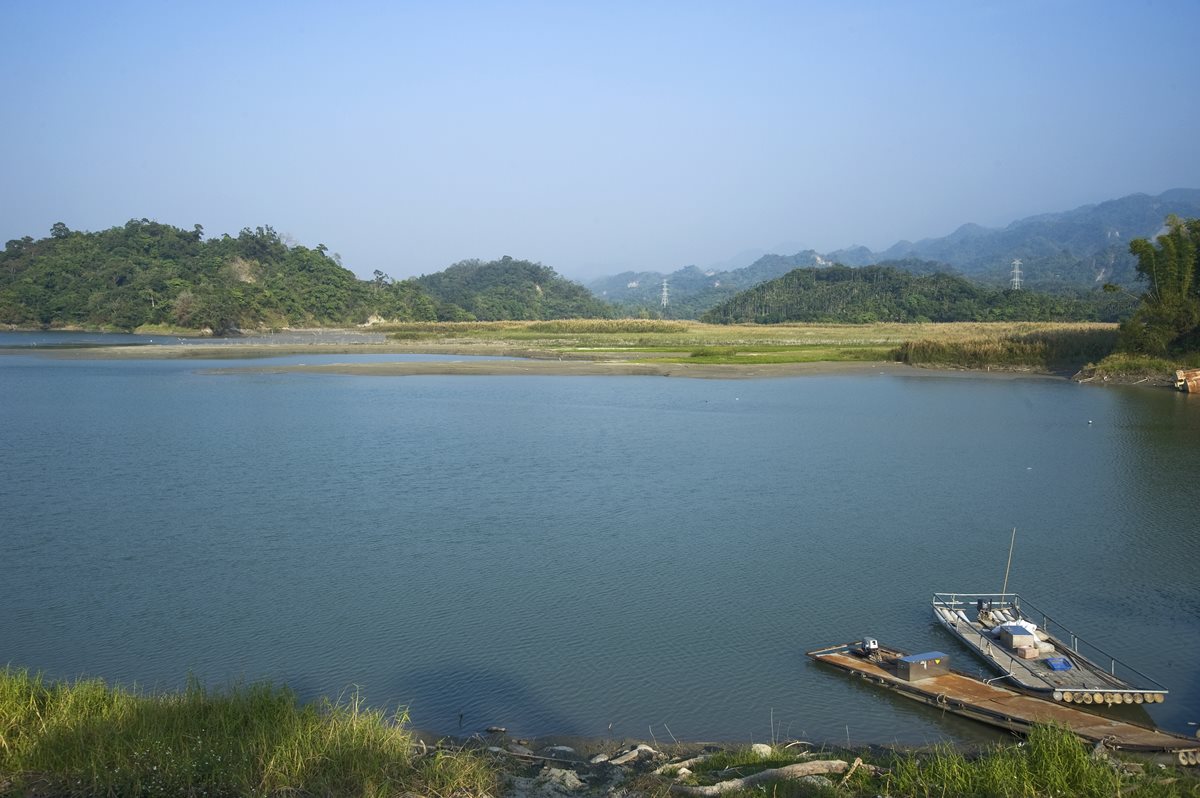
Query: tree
[[1169, 317]]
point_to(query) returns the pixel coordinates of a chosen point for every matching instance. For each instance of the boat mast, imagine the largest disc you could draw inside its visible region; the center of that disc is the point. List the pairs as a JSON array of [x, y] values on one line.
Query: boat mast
[[1011, 543]]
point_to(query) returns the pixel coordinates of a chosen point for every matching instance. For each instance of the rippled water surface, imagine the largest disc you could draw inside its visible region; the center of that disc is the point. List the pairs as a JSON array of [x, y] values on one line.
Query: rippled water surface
[[560, 554]]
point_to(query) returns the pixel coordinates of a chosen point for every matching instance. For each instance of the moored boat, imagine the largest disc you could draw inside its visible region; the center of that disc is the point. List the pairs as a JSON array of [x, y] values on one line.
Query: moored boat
[[928, 678], [1038, 655]]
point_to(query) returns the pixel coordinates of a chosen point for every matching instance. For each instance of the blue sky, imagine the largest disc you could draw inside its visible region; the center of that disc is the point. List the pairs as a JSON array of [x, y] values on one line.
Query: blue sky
[[593, 137]]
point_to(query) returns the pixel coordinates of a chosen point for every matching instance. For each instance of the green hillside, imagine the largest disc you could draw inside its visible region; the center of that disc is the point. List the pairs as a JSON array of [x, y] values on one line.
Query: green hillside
[[509, 289], [884, 293], [148, 273]]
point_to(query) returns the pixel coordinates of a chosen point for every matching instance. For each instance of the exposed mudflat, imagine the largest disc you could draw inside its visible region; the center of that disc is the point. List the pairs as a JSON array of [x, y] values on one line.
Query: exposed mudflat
[[588, 368]]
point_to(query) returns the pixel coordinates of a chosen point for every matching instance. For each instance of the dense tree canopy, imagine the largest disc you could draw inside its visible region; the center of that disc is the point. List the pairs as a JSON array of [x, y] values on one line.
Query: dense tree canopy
[[512, 289], [145, 272], [1168, 320], [883, 293]]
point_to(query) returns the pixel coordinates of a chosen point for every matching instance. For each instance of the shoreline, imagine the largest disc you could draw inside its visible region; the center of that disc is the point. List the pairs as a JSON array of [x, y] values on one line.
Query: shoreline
[[517, 362], [629, 348]]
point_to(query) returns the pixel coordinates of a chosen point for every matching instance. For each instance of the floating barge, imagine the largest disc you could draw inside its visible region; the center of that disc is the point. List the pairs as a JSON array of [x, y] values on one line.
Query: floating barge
[[1038, 655], [929, 679]]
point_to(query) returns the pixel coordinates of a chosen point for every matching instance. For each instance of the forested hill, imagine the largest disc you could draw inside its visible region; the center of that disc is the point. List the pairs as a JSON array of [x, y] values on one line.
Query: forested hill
[[148, 273], [884, 293], [512, 289]]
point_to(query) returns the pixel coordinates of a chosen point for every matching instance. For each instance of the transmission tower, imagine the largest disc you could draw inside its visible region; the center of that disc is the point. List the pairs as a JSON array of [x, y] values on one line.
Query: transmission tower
[[1016, 275], [664, 294]]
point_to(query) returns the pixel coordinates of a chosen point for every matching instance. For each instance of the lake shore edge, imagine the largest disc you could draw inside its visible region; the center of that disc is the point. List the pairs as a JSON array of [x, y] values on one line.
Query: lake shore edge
[[89, 738], [511, 361], [665, 349]]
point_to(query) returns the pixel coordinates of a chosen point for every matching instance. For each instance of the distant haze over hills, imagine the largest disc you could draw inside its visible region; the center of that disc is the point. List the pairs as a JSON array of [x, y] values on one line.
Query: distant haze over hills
[[1084, 232], [1070, 251]]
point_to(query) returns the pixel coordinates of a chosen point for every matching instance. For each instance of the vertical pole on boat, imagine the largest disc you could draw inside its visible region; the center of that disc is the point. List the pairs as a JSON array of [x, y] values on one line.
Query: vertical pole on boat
[[1011, 543]]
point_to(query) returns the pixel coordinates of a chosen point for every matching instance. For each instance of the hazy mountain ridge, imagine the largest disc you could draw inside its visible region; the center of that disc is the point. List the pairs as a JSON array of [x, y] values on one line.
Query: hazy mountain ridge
[[1067, 251], [1086, 244], [691, 290]]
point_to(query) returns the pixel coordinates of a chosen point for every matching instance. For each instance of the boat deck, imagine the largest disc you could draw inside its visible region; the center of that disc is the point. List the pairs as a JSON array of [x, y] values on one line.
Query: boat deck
[[1076, 676], [1008, 709], [1033, 672]]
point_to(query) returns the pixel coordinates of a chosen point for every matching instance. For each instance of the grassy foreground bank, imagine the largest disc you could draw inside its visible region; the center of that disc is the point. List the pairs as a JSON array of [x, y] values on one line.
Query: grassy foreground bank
[[88, 739], [1050, 762]]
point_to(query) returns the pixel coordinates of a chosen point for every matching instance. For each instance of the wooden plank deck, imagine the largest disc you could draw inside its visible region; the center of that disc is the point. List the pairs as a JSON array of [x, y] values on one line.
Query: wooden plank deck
[[1008, 709]]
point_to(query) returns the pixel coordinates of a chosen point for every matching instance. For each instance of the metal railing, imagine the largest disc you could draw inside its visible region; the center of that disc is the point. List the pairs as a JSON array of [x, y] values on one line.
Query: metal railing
[[1066, 637]]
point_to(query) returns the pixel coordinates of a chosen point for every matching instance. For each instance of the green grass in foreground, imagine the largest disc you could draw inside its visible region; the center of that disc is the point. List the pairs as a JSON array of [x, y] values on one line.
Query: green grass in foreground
[[1051, 762], [90, 739]]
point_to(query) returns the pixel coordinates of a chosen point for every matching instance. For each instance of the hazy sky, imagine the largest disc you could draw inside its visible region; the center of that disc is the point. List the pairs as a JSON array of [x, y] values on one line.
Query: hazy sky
[[593, 137]]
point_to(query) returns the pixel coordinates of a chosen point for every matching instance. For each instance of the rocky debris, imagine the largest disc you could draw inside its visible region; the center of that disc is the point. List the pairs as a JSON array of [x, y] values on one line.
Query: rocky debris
[[816, 781], [795, 771], [558, 771], [562, 753], [559, 780], [761, 750], [1102, 753], [639, 753], [680, 767]]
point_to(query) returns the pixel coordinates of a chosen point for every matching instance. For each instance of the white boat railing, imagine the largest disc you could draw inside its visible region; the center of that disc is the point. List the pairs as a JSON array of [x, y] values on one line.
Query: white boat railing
[[1079, 647]]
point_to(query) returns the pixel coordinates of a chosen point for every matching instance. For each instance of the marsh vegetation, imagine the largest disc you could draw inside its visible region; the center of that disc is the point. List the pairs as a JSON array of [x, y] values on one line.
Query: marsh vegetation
[[1035, 345]]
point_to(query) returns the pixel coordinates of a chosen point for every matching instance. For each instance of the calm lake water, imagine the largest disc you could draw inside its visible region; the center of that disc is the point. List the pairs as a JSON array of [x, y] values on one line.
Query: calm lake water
[[556, 555]]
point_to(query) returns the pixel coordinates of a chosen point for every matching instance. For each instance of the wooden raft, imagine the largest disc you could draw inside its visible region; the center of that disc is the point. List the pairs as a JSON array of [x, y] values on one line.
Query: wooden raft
[[1008, 709]]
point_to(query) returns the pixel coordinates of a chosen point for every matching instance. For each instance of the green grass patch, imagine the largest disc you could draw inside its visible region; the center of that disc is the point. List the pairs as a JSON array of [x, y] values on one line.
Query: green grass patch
[[620, 326], [1051, 762], [738, 763], [713, 353], [86, 738], [1126, 365], [784, 354]]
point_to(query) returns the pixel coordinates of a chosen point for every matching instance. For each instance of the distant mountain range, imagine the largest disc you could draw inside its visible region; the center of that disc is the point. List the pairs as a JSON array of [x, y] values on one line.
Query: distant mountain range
[[1069, 252], [149, 273]]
